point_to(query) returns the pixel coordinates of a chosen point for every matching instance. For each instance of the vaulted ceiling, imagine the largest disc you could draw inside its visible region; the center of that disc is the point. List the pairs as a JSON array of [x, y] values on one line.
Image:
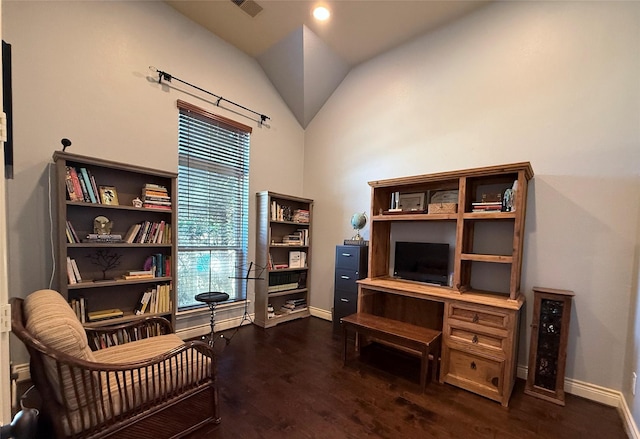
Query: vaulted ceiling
[[306, 60]]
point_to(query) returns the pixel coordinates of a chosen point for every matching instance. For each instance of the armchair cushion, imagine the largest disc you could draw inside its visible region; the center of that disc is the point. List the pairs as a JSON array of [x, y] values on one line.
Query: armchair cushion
[[52, 321]]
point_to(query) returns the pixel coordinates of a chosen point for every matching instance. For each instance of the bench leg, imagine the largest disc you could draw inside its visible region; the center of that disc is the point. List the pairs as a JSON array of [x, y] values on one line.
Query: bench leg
[[424, 368]]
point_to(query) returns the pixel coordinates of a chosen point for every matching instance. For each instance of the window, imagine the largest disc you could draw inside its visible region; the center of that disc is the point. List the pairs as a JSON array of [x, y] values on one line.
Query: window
[[213, 193]]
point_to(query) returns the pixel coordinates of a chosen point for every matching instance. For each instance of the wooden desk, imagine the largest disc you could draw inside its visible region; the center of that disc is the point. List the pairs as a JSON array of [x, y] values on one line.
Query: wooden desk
[[479, 331]]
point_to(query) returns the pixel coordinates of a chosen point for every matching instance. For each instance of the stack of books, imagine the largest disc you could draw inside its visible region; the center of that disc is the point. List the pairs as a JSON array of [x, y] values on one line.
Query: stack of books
[[155, 196], [138, 274], [487, 206], [94, 237], [301, 216], [294, 305], [105, 314]]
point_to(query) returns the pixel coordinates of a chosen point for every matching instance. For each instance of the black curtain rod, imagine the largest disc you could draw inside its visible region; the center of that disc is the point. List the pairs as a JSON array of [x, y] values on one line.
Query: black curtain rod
[[168, 77]]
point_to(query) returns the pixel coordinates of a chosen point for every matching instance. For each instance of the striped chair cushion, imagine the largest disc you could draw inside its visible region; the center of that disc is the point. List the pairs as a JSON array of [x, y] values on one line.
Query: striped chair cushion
[[52, 321], [132, 391]]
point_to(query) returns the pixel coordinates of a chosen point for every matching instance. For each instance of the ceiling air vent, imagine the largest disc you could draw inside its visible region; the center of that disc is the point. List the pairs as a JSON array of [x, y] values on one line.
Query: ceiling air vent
[[248, 6]]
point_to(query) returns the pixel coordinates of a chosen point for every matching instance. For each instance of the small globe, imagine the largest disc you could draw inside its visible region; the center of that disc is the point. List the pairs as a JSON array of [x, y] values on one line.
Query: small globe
[[358, 221]]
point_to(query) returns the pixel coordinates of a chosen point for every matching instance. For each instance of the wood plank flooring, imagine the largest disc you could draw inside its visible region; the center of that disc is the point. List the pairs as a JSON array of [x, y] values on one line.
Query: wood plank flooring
[[289, 382]]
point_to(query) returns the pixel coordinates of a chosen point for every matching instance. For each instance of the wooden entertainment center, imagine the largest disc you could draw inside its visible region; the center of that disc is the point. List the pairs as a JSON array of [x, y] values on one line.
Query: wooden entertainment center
[[479, 311]]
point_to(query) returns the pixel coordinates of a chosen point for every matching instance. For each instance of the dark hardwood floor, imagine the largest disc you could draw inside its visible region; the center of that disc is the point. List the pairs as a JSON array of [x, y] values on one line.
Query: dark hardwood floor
[[289, 382]]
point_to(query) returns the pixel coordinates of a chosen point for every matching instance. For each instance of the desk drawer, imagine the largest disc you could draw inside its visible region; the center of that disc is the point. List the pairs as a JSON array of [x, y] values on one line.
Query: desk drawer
[[346, 280], [354, 258], [478, 339], [479, 316], [473, 372]]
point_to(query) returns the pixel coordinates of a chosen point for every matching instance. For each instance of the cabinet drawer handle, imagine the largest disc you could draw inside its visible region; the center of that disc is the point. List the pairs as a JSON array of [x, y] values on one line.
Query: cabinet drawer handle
[[473, 365], [345, 277], [475, 318], [346, 255], [475, 339], [344, 300]]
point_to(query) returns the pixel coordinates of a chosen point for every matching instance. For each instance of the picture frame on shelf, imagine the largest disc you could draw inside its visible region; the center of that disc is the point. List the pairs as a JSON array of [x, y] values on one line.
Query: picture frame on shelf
[[411, 202], [109, 195]]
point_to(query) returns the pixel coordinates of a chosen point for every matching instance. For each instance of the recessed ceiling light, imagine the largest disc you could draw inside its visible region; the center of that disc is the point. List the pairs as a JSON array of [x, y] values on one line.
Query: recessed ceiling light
[[321, 13]]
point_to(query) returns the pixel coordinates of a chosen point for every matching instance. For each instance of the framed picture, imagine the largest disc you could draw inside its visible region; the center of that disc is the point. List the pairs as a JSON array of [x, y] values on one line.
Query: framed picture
[[411, 201], [109, 195]]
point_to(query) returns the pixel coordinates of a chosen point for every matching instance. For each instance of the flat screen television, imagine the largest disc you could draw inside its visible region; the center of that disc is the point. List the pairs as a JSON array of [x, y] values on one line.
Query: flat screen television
[[422, 261]]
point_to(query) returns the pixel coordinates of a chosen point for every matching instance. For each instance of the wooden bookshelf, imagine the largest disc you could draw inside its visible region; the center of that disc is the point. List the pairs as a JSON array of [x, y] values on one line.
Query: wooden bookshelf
[[276, 221], [115, 292]]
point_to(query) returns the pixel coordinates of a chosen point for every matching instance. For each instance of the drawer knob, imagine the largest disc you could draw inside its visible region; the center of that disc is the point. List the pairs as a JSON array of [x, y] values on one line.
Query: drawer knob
[[345, 277], [344, 300], [346, 255], [474, 339], [475, 318], [473, 365]]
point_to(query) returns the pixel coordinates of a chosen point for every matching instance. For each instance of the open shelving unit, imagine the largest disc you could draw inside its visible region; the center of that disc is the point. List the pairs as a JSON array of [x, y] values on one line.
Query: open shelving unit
[[276, 220], [479, 311], [114, 292]]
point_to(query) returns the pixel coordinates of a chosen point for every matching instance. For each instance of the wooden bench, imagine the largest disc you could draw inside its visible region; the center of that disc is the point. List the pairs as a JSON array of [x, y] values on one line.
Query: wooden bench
[[417, 339]]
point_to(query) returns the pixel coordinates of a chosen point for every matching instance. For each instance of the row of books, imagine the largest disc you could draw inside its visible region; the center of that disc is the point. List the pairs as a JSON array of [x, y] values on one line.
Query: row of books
[[156, 196], [149, 232], [81, 185], [289, 280], [159, 264], [72, 236], [73, 274], [155, 300], [79, 308]]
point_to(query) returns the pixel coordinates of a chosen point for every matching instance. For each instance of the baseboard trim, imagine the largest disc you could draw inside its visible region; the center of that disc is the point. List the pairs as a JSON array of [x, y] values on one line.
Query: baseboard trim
[[603, 395], [221, 325], [321, 313]]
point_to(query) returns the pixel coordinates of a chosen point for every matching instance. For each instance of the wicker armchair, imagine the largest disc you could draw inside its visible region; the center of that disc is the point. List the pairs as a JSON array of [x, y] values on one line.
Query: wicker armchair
[[141, 380]]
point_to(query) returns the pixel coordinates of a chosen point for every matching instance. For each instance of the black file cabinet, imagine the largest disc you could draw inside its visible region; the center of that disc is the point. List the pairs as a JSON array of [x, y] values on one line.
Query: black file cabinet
[[351, 265]]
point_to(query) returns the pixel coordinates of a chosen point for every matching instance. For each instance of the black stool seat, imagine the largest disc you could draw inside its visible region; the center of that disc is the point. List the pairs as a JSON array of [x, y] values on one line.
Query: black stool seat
[[212, 297]]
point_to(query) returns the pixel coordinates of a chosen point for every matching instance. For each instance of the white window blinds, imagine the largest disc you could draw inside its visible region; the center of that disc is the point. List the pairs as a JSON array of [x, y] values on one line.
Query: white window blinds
[[213, 193]]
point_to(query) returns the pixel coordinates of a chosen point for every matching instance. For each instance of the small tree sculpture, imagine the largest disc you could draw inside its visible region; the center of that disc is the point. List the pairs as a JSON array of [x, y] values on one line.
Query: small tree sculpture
[[106, 260]]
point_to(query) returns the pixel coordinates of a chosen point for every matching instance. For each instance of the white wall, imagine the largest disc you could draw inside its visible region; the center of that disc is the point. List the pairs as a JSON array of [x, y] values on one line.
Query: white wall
[[80, 70], [553, 83]]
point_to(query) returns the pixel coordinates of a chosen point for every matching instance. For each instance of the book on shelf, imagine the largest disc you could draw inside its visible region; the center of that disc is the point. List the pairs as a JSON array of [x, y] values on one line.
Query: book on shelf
[[79, 308], [295, 259], [73, 274], [280, 266], [142, 303], [105, 314], [89, 187], [77, 188]]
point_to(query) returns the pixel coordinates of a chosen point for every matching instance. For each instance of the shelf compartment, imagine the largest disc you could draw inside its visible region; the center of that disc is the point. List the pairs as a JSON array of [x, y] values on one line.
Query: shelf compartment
[[416, 217], [116, 282], [128, 316], [287, 292], [486, 258]]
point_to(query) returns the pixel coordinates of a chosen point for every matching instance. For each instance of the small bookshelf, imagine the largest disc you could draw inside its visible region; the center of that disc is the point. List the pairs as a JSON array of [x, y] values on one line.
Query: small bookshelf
[[283, 245], [119, 222]]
